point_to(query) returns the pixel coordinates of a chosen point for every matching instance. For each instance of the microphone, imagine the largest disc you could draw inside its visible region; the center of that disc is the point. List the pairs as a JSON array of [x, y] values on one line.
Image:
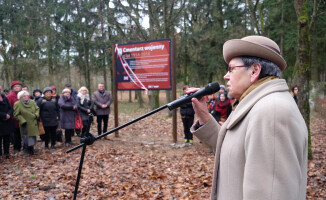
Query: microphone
[[210, 88]]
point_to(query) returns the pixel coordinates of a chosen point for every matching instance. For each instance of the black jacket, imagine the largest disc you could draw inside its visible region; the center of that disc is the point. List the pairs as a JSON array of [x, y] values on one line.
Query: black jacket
[[49, 111], [6, 126], [84, 107], [186, 109]]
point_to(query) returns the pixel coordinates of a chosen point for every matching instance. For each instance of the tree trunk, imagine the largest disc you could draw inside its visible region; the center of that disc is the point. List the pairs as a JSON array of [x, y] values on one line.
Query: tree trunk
[[302, 66], [130, 97], [140, 99]]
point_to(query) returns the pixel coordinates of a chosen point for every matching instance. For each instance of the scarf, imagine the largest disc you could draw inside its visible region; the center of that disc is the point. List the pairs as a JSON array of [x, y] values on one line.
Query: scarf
[[83, 97], [26, 102], [251, 88]]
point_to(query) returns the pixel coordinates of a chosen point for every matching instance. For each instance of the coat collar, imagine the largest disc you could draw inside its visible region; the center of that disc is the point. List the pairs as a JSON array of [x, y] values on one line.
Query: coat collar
[[26, 105], [245, 105]]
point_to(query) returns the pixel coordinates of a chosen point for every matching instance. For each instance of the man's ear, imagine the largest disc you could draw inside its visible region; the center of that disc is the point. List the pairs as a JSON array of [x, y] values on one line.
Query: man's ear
[[256, 69]]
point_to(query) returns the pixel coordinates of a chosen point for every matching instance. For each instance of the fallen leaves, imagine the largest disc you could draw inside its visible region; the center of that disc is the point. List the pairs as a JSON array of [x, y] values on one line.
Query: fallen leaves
[[141, 164], [316, 186]]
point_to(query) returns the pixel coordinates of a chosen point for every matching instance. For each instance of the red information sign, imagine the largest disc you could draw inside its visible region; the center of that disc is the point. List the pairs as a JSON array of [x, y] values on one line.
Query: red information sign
[[144, 65]]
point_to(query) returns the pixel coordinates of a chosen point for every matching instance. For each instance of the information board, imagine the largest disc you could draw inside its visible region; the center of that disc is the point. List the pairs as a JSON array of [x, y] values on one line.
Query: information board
[[143, 65]]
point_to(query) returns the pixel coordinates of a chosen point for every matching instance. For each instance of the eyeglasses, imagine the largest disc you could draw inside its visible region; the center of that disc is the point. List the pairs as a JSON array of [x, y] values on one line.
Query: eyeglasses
[[231, 68]]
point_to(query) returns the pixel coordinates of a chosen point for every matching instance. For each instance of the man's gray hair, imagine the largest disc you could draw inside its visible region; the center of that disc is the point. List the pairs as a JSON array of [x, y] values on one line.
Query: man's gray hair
[[268, 68]]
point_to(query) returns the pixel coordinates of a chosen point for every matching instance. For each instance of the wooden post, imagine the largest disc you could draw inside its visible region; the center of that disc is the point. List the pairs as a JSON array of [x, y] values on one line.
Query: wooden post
[[115, 93], [174, 91]]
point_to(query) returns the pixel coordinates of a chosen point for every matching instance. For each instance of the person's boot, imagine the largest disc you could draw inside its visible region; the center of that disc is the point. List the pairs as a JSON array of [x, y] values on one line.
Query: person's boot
[[190, 142], [31, 150]]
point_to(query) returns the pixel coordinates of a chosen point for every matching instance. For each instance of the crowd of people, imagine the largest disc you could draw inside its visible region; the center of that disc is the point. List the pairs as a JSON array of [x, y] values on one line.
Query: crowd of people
[[219, 106], [45, 113]]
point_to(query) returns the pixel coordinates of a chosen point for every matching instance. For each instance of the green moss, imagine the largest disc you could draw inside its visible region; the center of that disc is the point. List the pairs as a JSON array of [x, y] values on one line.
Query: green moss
[[309, 146], [303, 17]]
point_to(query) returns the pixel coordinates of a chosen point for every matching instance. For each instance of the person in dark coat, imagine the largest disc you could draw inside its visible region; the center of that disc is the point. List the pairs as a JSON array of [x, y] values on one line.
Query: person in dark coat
[[16, 87], [102, 99], [7, 91], [187, 115], [68, 108], [6, 124], [73, 94], [294, 93], [49, 112], [37, 94], [73, 91], [85, 107]]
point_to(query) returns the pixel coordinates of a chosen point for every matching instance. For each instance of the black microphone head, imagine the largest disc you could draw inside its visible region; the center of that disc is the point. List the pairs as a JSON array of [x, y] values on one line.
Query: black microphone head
[[212, 88]]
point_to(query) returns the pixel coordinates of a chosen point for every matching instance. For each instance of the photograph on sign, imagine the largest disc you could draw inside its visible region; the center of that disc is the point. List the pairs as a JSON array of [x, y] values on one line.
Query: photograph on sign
[[143, 66]]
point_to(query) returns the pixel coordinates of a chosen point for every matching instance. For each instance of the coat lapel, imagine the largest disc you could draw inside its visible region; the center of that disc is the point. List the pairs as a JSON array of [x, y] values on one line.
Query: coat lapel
[[253, 97]]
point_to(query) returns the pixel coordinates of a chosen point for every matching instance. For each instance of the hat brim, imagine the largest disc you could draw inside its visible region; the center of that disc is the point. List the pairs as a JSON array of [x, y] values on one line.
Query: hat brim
[[235, 48]]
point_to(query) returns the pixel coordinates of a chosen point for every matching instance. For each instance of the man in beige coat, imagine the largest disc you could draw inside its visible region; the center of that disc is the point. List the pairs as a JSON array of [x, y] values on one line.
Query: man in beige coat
[[261, 150]]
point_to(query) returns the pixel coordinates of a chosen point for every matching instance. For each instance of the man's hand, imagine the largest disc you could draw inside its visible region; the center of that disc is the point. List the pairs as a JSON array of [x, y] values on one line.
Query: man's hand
[[104, 106], [200, 107], [7, 117]]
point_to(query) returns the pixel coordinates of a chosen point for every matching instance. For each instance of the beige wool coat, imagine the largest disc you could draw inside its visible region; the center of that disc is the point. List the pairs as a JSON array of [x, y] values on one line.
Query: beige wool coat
[[261, 150]]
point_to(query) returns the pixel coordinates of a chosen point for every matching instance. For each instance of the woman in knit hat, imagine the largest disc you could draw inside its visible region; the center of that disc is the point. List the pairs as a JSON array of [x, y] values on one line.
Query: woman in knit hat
[[68, 107], [49, 112], [37, 93], [15, 137]]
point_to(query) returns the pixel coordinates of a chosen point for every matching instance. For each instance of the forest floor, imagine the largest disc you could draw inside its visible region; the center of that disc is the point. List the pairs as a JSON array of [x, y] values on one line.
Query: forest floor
[[142, 163]]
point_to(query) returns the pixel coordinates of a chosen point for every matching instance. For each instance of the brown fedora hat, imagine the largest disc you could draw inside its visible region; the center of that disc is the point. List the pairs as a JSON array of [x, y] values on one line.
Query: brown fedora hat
[[254, 45]]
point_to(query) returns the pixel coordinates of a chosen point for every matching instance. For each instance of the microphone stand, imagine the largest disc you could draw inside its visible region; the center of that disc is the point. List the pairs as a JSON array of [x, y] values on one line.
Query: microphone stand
[[90, 139]]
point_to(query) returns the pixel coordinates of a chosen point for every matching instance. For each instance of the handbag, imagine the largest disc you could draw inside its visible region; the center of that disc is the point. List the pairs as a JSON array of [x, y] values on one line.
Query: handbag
[[78, 121], [58, 135], [41, 127]]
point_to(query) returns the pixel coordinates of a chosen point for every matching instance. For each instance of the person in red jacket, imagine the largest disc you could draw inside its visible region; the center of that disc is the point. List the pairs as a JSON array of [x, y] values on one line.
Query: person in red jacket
[[221, 107], [16, 87]]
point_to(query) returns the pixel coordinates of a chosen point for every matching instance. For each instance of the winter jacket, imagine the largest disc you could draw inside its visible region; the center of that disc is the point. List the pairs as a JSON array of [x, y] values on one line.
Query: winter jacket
[[6, 126], [12, 98], [74, 94], [36, 99], [49, 111], [87, 104], [186, 109], [222, 108], [67, 113], [101, 99], [27, 114], [261, 149]]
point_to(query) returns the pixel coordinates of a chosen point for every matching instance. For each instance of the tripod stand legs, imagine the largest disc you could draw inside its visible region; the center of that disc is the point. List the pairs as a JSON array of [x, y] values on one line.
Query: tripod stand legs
[[79, 170]]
